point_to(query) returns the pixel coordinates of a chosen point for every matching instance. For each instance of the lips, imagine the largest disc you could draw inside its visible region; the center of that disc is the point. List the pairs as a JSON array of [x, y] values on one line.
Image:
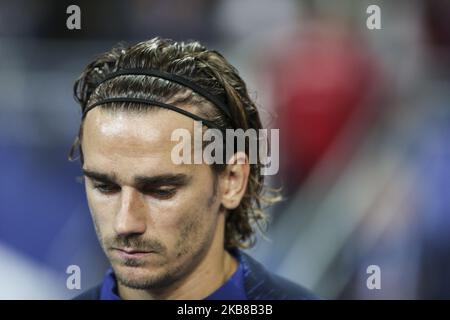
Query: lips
[[129, 253]]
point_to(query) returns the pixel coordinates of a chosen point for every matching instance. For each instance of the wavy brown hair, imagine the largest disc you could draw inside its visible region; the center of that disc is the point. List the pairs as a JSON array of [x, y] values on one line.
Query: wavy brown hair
[[209, 70]]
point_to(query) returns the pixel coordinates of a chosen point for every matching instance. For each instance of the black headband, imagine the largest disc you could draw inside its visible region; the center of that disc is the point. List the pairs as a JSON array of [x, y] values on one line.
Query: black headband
[[216, 100], [152, 102]]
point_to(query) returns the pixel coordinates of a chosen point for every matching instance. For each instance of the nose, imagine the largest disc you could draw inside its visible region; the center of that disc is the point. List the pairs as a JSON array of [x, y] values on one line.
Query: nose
[[131, 218]]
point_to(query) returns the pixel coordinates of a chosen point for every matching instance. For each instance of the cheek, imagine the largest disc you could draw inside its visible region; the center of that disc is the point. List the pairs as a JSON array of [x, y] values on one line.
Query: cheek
[[189, 204], [102, 209], [169, 219], [186, 222]]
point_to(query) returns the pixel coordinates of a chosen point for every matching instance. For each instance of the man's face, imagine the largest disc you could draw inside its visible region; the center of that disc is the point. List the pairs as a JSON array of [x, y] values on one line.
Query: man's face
[[155, 220]]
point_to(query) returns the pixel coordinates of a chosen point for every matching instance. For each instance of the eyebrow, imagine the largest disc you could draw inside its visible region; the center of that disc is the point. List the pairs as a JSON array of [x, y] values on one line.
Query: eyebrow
[[178, 179]]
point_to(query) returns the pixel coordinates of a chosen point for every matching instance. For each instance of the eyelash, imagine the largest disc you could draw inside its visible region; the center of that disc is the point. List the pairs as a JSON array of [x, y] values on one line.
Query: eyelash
[[105, 188], [164, 193], [159, 193]]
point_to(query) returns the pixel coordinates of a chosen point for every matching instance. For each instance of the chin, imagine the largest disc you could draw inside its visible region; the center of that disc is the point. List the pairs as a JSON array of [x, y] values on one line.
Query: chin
[[142, 278]]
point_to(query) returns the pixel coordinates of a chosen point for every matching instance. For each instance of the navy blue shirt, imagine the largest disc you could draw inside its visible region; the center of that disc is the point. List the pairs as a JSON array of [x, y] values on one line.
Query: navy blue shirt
[[232, 289], [251, 281]]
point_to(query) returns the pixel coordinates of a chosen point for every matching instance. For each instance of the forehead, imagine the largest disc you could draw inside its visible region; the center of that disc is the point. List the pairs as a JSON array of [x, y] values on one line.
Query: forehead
[[124, 140]]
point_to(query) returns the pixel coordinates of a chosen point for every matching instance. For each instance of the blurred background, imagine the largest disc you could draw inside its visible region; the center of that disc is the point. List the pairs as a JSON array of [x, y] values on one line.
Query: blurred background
[[365, 125]]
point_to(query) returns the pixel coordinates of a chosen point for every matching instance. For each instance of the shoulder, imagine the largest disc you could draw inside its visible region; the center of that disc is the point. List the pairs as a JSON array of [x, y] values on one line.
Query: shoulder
[[261, 284], [91, 294]]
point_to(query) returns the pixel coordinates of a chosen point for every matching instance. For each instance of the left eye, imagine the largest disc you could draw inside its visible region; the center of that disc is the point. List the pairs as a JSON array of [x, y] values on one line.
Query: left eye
[[161, 193]]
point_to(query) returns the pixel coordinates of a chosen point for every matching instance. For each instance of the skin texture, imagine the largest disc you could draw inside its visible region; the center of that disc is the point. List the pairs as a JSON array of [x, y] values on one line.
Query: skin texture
[[169, 218]]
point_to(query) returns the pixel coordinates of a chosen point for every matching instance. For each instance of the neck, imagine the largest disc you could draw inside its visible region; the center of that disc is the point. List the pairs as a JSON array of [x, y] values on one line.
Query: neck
[[211, 273]]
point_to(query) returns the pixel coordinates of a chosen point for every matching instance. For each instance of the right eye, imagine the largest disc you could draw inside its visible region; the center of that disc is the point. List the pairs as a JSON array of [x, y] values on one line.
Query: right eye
[[106, 188]]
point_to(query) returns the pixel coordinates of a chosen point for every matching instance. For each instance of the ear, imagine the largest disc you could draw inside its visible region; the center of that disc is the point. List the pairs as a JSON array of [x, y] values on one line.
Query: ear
[[234, 180]]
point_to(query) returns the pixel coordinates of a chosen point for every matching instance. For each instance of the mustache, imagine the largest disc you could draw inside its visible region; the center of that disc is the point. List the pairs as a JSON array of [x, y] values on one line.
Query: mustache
[[135, 242]]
